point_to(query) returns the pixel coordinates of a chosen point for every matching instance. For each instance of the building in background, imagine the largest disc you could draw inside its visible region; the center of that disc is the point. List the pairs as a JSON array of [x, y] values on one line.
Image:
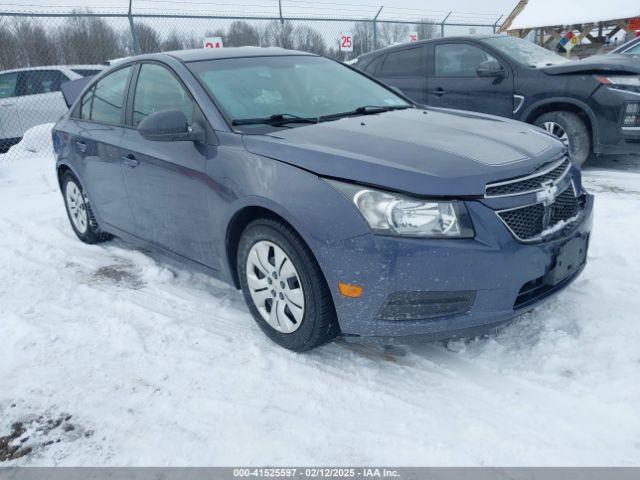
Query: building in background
[[575, 28]]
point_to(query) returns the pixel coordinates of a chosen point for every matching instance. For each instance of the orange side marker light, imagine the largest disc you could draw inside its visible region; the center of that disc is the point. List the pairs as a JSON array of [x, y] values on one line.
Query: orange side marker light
[[353, 291]]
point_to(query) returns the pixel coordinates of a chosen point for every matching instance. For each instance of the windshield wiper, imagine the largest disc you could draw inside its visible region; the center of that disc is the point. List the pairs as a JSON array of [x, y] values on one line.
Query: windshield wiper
[[364, 110], [276, 119]]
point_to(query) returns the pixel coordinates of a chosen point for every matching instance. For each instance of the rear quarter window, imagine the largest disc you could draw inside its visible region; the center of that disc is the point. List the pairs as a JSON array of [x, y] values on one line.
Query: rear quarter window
[[104, 103]]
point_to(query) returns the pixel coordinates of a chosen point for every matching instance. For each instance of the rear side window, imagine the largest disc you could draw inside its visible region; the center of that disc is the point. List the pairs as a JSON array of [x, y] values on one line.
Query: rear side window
[[35, 82], [403, 63], [105, 101], [157, 90], [8, 83], [459, 60]]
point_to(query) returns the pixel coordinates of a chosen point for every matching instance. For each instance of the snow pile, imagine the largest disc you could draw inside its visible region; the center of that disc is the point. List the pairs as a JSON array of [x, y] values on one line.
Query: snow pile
[[543, 13], [111, 356], [35, 140]]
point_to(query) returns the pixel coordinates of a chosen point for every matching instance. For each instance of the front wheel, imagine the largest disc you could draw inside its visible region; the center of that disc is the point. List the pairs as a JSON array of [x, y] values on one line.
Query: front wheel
[[571, 130], [284, 287]]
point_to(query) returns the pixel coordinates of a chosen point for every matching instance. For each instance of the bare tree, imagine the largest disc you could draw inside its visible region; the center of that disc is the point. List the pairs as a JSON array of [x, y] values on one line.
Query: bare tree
[[278, 34], [148, 38], [33, 44], [308, 39], [241, 34], [362, 38], [87, 40], [392, 33], [173, 42], [426, 29], [9, 57]]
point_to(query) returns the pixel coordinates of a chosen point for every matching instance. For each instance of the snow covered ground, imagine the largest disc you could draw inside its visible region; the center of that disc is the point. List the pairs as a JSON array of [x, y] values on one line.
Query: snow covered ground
[[111, 356]]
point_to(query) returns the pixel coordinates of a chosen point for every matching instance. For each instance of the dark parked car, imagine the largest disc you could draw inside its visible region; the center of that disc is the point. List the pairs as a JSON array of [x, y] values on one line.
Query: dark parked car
[[592, 105], [337, 205]]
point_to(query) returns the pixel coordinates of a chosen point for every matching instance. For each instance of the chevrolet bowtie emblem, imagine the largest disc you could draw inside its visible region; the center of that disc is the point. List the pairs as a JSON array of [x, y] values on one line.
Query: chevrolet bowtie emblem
[[548, 194]]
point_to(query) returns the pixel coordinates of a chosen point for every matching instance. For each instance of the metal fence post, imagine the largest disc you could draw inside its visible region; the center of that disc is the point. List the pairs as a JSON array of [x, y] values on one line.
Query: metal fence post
[[134, 35], [442, 24], [495, 25], [375, 28]]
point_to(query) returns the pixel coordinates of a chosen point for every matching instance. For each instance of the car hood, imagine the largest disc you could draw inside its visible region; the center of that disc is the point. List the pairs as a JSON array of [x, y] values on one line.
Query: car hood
[[432, 152], [611, 63]]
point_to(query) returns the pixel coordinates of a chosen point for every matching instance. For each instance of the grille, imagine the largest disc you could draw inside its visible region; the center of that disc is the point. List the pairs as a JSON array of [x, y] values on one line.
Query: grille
[[530, 183], [528, 223]]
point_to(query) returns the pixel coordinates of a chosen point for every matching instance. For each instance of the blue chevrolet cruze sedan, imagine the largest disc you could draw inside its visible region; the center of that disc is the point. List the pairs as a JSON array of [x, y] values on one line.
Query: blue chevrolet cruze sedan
[[337, 205]]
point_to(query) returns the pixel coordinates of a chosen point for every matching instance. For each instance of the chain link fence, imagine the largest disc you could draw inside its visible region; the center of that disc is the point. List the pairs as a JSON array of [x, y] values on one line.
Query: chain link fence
[[39, 51]]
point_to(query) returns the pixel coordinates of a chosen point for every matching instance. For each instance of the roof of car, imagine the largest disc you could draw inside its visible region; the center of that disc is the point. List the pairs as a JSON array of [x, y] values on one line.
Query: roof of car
[[200, 54], [430, 40], [55, 67]]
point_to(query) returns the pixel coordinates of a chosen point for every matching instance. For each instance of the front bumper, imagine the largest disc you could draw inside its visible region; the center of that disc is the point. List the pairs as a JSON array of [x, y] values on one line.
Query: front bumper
[[611, 138], [493, 265]]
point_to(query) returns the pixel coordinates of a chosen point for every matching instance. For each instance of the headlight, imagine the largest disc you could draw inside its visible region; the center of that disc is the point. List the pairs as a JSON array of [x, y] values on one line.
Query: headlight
[[620, 80], [395, 214]]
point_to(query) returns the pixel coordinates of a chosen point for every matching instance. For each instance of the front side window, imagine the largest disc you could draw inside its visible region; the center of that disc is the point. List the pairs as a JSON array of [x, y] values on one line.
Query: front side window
[[403, 63], [8, 83], [459, 60], [524, 52], [105, 101], [157, 90], [304, 86], [36, 82]]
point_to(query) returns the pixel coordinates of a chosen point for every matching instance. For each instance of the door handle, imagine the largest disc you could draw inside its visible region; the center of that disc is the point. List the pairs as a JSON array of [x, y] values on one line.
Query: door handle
[[81, 146], [438, 91], [130, 161], [7, 105]]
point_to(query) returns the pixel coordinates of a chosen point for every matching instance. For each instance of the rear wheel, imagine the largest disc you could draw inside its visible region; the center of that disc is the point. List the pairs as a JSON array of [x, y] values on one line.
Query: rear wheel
[[79, 211], [571, 130], [284, 287]]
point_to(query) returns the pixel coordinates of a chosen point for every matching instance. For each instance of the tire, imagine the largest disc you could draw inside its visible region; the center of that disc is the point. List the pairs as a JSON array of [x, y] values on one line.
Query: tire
[[81, 217], [578, 139], [308, 318]]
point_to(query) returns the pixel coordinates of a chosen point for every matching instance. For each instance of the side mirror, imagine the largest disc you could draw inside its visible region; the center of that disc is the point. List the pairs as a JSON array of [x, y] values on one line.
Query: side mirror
[[166, 126], [490, 68]]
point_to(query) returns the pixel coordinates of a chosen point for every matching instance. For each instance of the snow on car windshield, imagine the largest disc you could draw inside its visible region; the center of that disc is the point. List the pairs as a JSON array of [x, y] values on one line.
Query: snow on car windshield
[[525, 52]]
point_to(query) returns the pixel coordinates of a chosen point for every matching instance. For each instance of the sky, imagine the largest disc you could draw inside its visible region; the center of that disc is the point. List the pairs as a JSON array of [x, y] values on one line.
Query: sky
[[465, 11]]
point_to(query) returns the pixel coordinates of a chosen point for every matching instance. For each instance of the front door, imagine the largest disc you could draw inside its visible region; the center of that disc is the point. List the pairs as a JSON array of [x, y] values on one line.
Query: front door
[[454, 81], [166, 181]]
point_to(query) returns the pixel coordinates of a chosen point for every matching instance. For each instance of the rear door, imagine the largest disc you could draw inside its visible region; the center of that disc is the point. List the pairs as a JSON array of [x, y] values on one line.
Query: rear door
[[454, 82], [9, 121], [405, 69], [167, 182], [96, 133], [39, 97]]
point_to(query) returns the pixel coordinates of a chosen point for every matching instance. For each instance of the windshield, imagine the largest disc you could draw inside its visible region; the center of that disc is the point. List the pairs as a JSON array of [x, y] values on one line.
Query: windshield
[[306, 87], [525, 52]]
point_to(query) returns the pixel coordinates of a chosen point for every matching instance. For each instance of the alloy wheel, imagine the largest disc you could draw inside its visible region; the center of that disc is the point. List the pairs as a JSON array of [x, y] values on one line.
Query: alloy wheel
[[556, 130], [76, 206], [275, 287]]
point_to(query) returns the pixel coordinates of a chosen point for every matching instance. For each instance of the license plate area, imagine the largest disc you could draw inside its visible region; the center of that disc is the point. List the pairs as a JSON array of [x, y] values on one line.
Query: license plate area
[[569, 258]]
